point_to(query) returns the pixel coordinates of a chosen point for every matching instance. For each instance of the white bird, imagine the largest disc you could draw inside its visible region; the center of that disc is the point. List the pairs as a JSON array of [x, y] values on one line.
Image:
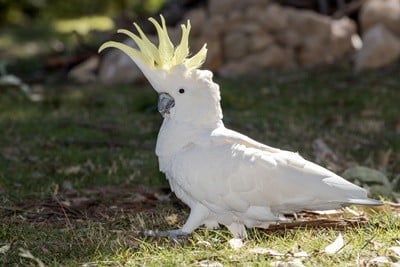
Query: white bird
[[225, 177]]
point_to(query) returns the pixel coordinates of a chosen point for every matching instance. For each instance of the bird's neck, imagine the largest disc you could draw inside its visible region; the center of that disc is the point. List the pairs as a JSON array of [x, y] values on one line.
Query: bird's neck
[[176, 135]]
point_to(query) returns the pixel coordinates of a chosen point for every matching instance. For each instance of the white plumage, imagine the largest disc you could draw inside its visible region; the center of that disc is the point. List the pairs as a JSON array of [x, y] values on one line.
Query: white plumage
[[226, 177]]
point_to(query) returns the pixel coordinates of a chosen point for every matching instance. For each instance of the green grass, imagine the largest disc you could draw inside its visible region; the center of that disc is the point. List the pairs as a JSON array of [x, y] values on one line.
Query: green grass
[[81, 139]]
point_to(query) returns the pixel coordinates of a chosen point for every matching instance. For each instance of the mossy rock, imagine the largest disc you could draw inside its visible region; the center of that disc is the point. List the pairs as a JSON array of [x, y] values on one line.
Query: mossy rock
[[376, 182]]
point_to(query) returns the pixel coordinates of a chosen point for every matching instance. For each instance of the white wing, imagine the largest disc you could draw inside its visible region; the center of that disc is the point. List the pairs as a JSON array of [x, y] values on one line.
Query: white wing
[[235, 173]]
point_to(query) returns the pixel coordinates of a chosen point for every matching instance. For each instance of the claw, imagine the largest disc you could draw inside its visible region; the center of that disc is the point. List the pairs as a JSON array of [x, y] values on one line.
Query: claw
[[174, 235]]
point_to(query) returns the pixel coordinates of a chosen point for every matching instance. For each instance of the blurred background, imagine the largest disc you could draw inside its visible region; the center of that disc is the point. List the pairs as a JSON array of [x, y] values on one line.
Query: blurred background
[[78, 129], [39, 37]]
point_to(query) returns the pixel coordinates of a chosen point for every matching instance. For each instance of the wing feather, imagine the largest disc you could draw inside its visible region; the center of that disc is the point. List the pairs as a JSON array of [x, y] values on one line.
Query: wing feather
[[240, 173]]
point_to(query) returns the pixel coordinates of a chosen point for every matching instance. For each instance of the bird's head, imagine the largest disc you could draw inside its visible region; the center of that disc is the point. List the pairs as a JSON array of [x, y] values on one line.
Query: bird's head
[[186, 93]]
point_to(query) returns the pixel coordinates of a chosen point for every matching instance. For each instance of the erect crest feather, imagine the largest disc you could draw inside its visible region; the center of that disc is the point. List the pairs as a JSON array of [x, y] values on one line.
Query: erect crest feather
[[165, 56]]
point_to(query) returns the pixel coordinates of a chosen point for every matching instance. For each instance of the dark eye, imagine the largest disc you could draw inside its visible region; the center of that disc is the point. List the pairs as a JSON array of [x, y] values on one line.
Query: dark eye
[[181, 91]]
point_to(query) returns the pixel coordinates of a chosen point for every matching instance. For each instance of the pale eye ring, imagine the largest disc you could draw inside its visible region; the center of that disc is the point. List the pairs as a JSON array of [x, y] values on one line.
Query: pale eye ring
[[181, 91]]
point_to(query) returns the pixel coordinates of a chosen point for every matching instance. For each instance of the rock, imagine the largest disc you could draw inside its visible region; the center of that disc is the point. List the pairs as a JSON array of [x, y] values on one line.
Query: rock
[[386, 12], [375, 181], [235, 17], [249, 28], [197, 19], [309, 25], [315, 55], [174, 33], [305, 30], [271, 57], [221, 6], [235, 67], [342, 32], [235, 45], [116, 67], [289, 38], [380, 48], [214, 55], [260, 41], [274, 18], [255, 3], [253, 12], [85, 71], [217, 24]]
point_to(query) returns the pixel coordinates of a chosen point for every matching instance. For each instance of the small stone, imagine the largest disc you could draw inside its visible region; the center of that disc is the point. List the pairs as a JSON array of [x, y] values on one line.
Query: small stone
[[272, 56], [386, 12], [315, 54], [380, 48], [235, 16], [309, 25], [289, 38], [85, 71], [258, 42], [235, 45], [214, 26], [377, 183], [274, 18], [197, 17], [252, 3], [116, 67], [221, 6], [342, 34], [253, 12]]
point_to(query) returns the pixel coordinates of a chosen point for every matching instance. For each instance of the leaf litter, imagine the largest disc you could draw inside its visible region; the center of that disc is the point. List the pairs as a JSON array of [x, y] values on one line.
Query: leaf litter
[[336, 246], [102, 203]]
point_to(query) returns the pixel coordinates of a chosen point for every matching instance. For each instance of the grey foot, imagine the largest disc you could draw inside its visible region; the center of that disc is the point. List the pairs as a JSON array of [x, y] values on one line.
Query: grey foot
[[174, 235]]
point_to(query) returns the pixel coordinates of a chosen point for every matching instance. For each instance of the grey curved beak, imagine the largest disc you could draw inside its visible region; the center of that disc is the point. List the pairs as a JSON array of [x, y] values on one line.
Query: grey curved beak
[[165, 103]]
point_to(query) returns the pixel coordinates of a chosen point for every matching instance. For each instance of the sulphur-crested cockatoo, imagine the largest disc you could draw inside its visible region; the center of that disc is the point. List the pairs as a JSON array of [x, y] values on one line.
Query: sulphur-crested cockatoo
[[223, 176]]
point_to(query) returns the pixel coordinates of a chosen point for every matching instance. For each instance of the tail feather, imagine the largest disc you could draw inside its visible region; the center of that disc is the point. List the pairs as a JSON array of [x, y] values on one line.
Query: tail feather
[[363, 202]]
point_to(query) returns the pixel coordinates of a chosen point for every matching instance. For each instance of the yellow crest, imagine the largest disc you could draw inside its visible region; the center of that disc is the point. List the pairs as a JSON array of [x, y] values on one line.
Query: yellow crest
[[165, 56]]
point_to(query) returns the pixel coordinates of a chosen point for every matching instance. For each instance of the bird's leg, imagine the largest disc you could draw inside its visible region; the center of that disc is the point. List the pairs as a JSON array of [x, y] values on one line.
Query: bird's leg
[[238, 230], [196, 218], [198, 214], [172, 234], [211, 225]]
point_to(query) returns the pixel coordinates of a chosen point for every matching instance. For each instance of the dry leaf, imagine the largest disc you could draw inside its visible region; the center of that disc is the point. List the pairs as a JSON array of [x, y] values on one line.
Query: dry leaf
[[27, 254], [207, 263], [162, 198], [72, 170], [395, 250], [300, 254], [137, 197], [172, 219], [379, 259], [204, 243], [328, 212], [236, 243], [267, 251], [354, 212], [5, 248], [335, 246], [370, 112], [293, 263]]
